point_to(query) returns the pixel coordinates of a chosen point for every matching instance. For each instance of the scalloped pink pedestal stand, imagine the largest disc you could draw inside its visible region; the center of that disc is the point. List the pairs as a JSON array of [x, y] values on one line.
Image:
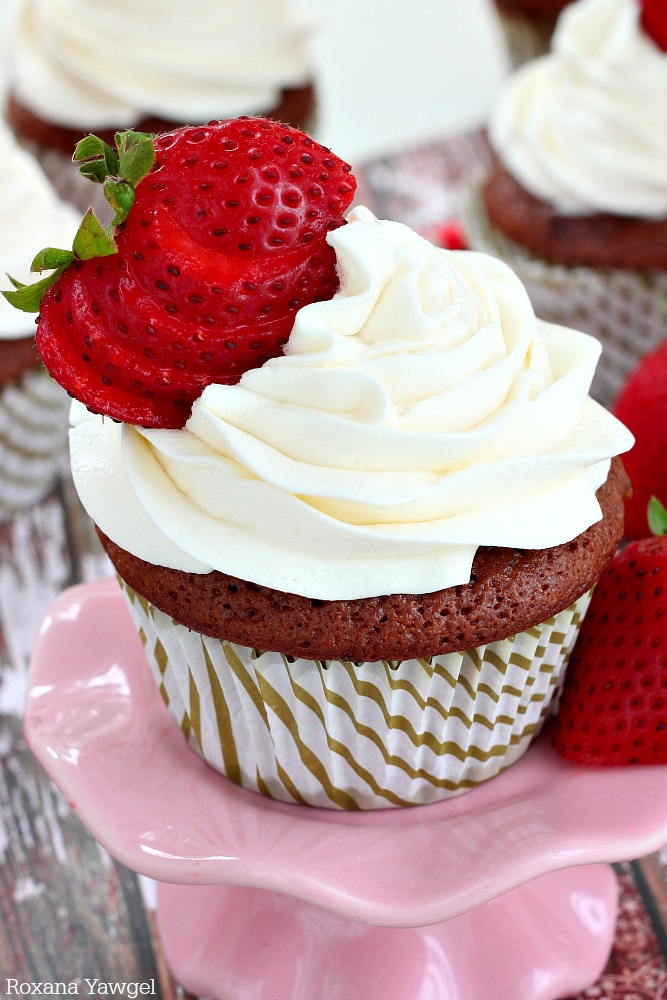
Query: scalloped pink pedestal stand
[[478, 898], [547, 939]]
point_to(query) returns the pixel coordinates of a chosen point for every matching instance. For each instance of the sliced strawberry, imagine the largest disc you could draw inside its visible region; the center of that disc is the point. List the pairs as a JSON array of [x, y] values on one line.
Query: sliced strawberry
[[153, 355], [225, 241], [218, 290], [247, 186], [614, 704], [654, 21], [107, 375]]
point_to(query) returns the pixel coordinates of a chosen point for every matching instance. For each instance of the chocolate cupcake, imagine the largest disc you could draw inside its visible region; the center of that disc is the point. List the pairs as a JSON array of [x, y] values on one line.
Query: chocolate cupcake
[[576, 200], [78, 69], [355, 492]]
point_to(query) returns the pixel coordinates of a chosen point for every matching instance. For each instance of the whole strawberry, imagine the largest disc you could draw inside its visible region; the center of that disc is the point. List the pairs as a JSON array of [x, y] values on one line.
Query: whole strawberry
[[642, 407], [654, 21], [215, 248], [613, 708]]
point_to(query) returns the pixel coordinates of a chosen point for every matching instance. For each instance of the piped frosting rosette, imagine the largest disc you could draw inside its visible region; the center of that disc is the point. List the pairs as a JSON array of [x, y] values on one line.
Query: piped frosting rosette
[[81, 64], [420, 413]]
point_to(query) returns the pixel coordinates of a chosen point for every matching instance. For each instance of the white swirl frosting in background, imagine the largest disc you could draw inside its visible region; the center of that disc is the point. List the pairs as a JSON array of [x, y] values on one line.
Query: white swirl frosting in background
[[92, 63], [585, 126], [32, 217], [421, 412]]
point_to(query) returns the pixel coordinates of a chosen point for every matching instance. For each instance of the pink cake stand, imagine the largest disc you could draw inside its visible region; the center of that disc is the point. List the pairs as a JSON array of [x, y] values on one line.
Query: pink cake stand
[[499, 893]]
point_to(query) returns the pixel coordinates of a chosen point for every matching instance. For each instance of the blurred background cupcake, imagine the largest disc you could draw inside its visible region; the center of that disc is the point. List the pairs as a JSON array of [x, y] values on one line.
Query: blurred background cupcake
[[528, 26], [33, 408], [576, 200], [77, 67]]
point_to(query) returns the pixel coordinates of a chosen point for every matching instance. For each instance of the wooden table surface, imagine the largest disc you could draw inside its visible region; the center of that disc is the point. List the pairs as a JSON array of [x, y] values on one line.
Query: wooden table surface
[[70, 912]]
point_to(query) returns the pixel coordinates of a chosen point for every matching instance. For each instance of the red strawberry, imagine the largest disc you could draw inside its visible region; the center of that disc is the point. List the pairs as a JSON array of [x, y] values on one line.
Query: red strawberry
[[450, 236], [642, 407], [654, 21], [614, 704], [225, 241]]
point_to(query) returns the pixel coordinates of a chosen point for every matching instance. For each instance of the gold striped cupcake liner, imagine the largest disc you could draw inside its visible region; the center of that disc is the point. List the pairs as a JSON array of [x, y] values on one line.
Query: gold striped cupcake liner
[[625, 310], [33, 439], [337, 734]]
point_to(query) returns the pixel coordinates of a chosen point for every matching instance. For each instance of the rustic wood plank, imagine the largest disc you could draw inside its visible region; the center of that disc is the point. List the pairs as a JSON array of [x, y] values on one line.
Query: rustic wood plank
[[34, 568], [649, 876], [69, 911]]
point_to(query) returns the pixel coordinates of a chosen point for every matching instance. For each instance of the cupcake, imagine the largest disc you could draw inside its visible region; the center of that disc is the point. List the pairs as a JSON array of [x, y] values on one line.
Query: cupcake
[[355, 493], [78, 68], [528, 26], [33, 408], [576, 200]]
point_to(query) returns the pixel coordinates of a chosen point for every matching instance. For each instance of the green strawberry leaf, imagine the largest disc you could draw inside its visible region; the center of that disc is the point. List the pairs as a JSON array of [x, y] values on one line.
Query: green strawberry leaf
[[92, 239], [120, 195], [657, 517], [51, 257], [16, 283], [28, 298], [137, 155], [99, 159], [94, 170], [119, 170]]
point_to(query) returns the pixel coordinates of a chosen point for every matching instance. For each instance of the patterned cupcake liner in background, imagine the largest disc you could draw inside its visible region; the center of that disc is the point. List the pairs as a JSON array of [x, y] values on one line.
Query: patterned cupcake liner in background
[[337, 734], [33, 439], [625, 310]]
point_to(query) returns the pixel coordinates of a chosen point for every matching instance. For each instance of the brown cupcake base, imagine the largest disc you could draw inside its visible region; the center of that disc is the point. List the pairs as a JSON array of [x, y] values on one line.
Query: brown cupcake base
[[16, 357], [510, 590], [296, 107], [600, 240]]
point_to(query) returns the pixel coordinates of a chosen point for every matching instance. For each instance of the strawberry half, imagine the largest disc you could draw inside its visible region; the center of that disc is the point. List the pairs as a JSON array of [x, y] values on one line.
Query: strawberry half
[[224, 242], [654, 21], [613, 708]]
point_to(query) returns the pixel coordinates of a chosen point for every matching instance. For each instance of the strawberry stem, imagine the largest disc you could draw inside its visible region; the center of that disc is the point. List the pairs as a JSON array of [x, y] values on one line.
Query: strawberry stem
[[119, 171]]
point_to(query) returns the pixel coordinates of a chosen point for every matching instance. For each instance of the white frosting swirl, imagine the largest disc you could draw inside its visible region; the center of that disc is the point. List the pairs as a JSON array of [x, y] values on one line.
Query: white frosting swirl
[[584, 128], [31, 217], [423, 411], [91, 63]]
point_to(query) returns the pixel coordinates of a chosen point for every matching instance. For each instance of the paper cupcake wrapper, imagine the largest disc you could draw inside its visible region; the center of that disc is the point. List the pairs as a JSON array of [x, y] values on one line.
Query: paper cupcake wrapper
[[337, 734], [625, 310], [33, 439]]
